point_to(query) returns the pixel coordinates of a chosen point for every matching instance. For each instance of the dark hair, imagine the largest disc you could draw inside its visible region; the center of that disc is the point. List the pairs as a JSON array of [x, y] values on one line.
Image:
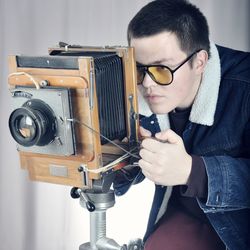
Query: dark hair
[[177, 16]]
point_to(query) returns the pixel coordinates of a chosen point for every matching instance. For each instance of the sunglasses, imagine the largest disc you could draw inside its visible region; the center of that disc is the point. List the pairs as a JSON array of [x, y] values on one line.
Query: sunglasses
[[160, 74]]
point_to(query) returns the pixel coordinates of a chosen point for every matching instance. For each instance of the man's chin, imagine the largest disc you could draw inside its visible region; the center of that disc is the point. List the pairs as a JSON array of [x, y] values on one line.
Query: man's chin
[[159, 109]]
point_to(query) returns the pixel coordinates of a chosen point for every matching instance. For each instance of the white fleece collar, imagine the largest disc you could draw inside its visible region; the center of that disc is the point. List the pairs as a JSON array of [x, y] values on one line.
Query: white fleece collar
[[204, 106]]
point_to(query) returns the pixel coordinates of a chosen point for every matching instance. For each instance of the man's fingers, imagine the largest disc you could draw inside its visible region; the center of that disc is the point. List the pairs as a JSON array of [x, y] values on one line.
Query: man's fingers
[[152, 145], [161, 141], [146, 167], [144, 132], [147, 155], [168, 136]]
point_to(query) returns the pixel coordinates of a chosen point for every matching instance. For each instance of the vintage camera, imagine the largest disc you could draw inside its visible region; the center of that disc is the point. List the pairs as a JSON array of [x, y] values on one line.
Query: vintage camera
[[74, 113]]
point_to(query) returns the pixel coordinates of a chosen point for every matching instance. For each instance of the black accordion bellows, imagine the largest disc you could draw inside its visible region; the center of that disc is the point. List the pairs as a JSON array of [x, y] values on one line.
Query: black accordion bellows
[[110, 95]]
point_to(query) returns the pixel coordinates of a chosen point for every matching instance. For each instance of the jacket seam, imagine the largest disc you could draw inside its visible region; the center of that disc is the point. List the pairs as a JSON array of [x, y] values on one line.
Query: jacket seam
[[235, 78]]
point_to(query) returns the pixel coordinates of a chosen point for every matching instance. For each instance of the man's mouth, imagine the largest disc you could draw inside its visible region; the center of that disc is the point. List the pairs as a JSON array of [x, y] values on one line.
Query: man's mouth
[[152, 98]]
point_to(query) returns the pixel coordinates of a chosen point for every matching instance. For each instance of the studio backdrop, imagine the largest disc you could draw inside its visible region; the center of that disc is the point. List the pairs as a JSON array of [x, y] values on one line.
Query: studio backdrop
[[42, 216]]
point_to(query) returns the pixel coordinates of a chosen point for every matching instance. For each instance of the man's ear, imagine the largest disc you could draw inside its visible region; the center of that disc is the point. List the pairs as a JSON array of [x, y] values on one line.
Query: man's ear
[[201, 61]]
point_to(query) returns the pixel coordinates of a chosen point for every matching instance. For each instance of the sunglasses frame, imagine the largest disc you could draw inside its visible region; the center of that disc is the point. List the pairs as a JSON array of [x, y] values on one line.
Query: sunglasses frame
[[145, 69]]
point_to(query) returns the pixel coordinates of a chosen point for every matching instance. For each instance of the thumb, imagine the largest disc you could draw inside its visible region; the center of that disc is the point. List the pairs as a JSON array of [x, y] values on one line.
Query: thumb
[[168, 136], [144, 132]]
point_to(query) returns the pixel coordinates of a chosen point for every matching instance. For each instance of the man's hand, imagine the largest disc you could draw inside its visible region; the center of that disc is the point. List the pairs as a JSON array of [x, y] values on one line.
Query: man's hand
[[164, 159]]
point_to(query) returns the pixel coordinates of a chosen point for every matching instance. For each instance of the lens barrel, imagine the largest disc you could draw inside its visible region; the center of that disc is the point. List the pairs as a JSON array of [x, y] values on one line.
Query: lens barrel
[[33, 124]]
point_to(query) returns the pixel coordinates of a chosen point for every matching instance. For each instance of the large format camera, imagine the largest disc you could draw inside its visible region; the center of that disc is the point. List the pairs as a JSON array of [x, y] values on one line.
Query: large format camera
[[75, 122], [74, 114]]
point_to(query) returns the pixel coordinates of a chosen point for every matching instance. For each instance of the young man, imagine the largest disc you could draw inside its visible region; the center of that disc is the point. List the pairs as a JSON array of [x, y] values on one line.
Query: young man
[[195, 120]]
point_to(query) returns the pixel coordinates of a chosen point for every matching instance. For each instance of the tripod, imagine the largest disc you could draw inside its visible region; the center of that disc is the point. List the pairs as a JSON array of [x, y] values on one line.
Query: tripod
[[97, 204]]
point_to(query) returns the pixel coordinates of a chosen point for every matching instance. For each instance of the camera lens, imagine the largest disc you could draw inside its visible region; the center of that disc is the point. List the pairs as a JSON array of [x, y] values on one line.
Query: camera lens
[[33, 124], [26, 127]]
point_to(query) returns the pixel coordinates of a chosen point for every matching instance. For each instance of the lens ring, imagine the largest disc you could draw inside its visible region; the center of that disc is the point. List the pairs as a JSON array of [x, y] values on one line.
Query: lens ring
[[42, 126], [17, 132]]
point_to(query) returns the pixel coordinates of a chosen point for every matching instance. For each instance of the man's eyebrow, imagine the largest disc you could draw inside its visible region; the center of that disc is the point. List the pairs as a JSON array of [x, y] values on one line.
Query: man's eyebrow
[[161, 61]]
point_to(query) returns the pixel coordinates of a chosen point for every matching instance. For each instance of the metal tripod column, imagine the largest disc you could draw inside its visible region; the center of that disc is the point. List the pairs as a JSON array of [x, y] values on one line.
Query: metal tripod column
[[97, 226], [101, 202]]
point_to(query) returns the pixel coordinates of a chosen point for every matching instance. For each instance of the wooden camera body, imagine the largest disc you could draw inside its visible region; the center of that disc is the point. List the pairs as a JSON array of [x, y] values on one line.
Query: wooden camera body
[[69, 115]]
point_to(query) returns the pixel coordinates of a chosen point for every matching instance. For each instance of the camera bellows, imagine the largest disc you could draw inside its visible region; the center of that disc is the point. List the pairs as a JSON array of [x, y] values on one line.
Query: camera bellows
[[110, 95]]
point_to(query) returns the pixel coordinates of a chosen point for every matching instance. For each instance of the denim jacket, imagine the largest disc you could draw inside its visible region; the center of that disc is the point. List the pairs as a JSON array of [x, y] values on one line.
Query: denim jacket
[[222, 139]]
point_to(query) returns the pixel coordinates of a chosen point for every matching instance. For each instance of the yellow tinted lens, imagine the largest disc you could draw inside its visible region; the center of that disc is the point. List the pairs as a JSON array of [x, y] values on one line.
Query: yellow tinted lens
[[161, 74]]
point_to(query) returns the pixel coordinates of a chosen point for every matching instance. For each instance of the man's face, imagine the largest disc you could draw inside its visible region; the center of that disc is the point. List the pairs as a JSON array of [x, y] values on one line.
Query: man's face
[[164, 49]]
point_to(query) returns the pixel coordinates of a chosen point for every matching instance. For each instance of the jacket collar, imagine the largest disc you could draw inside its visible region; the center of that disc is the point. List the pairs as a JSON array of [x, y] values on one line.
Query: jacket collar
[[204, 106]]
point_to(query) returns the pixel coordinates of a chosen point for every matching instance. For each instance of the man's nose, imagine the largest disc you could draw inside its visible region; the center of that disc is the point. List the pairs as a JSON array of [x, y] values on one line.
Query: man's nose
[[148, 81]]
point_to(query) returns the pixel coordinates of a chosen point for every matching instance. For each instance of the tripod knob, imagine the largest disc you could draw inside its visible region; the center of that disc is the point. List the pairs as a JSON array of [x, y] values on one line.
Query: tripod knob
[[89, 205], [77, 193], [74, 193]]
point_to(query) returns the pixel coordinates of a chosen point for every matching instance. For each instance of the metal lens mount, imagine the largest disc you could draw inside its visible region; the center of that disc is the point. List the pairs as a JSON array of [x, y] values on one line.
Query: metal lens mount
[[33, 124]]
